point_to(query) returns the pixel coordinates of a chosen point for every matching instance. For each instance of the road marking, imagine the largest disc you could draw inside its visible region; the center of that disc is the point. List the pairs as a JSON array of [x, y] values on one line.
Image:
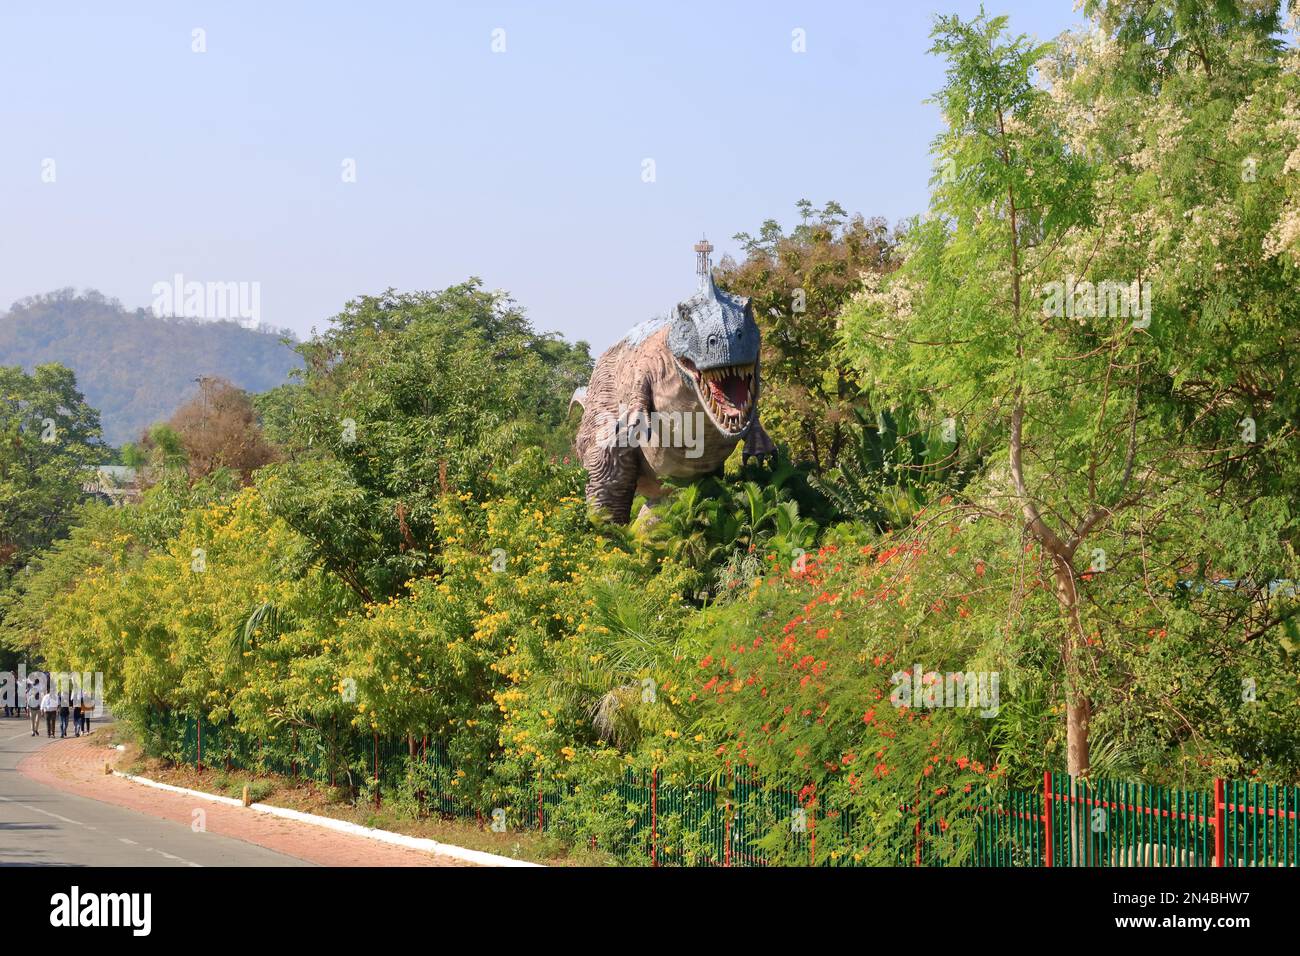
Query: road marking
[[147, 849], [54, 815]]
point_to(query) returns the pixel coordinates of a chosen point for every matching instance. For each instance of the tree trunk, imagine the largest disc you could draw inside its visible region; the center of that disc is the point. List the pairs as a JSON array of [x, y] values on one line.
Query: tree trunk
[[1078, 708], [1078, 712]]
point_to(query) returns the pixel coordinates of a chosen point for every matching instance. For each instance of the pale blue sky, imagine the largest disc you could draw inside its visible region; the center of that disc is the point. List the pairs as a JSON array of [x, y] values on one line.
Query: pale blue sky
[[522, 167]]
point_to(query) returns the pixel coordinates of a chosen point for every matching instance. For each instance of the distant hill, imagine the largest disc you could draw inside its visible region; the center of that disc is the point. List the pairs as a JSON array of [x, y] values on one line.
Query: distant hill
[[134, 367]]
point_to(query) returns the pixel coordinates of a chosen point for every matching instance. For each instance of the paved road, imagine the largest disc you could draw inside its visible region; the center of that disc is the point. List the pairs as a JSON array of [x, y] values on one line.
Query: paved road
[[41, 826]]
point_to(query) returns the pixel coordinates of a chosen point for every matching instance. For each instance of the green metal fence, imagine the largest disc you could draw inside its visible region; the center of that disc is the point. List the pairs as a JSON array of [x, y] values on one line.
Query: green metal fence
[[1119, 824], [1261, 824], [741, 821]]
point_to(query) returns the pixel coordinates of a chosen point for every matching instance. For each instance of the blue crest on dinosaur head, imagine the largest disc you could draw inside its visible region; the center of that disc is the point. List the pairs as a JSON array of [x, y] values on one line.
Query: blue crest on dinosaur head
[[715, 341]]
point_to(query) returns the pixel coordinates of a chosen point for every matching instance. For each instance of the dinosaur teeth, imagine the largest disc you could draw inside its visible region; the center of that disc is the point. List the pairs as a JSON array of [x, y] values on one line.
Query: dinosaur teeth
[[713, 388], [725, 371]]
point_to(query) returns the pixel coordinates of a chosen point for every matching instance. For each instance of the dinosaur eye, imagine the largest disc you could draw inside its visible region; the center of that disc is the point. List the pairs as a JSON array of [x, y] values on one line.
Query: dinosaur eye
[[713, 341]]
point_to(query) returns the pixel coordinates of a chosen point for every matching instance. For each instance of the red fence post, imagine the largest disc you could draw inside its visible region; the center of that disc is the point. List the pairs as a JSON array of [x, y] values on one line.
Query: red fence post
[[199, 759], [726, 816], [654, 817], [376, 733], [1220, 822], [541, 806], [1047, 818], [916, 830], [812, 835]]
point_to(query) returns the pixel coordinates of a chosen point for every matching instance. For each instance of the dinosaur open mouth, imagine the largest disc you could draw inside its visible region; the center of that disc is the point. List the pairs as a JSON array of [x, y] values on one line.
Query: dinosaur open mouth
[[728, 393]]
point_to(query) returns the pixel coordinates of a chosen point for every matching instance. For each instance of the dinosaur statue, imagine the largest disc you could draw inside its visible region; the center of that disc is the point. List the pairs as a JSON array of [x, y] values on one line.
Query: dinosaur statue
[[672, 398]]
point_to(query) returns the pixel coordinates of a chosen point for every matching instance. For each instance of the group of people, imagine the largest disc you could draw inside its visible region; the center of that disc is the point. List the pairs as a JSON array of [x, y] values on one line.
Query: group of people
[[61, 705]]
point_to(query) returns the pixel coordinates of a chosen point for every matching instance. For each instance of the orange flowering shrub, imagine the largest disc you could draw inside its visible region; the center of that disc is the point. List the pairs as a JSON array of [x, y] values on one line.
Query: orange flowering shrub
[[860, 683]]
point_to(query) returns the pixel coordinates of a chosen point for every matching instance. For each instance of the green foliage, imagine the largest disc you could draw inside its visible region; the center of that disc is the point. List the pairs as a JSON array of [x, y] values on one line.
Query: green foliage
[[404, 399], [1122, 428], [710, 521], [1159, 40], [49, 436], [893, 468]]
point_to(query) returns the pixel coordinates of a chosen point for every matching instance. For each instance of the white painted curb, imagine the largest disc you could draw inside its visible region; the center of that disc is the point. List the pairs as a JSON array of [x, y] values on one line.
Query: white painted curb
[[477, 857]]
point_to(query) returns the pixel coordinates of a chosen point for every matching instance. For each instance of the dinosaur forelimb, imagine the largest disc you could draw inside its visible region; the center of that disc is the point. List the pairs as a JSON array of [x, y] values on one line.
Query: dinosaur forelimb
[[758, 444]]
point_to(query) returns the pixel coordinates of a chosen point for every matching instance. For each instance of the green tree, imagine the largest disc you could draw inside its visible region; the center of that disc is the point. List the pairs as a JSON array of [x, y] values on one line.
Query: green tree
[[407, 398], [799, 283], [1157, 39], [98, 536], [1119, 415], [49, 436]]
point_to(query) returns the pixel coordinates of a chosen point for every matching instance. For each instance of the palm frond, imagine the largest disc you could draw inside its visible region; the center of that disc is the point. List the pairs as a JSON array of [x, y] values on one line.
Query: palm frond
[[265, 618]]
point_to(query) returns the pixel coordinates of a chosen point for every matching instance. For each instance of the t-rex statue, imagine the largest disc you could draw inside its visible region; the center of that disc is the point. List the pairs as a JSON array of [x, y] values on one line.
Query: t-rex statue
[[672, 398]]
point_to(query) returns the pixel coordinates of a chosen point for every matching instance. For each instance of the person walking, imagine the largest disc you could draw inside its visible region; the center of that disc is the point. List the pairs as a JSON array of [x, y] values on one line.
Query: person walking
[[50, 708], [34, 706], [87, 705], [65, 705], [77, 701]]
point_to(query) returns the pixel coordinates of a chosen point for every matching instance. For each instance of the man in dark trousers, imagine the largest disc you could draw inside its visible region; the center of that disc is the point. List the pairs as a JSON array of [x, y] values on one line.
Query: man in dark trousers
[[65, 707], [77, 699], [50, 708]]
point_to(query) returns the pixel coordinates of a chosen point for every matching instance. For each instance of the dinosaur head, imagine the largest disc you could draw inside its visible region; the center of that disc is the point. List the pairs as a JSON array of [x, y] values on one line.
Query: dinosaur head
[[714, 341]]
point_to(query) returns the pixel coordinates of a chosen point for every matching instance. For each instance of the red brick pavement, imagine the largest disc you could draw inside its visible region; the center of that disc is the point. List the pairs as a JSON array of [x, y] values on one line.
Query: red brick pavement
[[76, 765]]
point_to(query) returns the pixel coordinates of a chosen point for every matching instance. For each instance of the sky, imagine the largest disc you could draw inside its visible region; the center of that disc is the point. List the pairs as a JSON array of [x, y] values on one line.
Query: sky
[[568, 152]]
